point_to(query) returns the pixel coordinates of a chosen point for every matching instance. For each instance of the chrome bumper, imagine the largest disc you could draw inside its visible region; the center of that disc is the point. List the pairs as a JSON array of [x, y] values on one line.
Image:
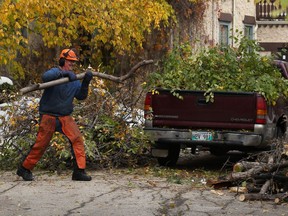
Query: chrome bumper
[[229, 138]]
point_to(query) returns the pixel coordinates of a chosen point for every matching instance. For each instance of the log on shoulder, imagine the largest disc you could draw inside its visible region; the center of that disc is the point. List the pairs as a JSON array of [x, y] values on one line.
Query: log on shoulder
[[80, 76]]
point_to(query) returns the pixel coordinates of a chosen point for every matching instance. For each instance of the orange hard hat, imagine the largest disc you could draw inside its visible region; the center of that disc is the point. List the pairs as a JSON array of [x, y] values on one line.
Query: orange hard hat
[[69, 54]]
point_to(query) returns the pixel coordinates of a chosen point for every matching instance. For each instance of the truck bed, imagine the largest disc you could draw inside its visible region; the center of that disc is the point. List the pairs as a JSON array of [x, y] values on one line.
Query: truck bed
[[230, 110]]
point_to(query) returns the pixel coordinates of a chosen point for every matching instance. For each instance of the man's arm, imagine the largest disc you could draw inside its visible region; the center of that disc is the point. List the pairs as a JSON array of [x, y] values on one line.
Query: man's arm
[[51, 74], [83, 93], [56, 73]]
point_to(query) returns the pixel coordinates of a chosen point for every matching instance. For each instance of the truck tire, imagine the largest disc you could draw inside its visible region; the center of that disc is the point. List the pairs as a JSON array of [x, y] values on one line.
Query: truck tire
[[172, 158], [281, 126]]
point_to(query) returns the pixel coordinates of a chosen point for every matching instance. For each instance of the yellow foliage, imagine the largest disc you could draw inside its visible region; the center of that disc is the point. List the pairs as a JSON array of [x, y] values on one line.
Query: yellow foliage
[[62, 22]]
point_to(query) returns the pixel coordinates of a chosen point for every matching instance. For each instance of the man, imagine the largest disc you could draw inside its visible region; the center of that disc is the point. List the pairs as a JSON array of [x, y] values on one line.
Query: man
[[56, 106]]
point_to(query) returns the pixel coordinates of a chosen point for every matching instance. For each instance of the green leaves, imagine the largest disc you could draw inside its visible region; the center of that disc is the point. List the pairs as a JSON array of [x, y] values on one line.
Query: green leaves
[[221, 69]]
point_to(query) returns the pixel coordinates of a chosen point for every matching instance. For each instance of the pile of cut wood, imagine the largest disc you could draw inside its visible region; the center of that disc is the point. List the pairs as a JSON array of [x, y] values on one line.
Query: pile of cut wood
[[263, 178]]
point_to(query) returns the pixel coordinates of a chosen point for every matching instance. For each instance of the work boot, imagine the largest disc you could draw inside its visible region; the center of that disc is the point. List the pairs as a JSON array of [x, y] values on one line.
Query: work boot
[[25, 174], [80, 175]]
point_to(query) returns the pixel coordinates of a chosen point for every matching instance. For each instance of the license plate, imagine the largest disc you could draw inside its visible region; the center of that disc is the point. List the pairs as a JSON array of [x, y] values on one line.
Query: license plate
[[202, 136]]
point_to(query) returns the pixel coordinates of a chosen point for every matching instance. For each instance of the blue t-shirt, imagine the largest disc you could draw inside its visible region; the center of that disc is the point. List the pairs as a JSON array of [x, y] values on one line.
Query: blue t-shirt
[[58, 100]]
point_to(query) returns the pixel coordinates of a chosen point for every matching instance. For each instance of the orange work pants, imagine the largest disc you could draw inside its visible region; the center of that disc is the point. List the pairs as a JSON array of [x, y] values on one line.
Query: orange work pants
[[46, 130]]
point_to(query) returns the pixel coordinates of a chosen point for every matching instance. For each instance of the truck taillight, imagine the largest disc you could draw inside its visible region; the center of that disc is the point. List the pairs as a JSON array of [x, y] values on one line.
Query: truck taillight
[[261, 110], [147, 105]]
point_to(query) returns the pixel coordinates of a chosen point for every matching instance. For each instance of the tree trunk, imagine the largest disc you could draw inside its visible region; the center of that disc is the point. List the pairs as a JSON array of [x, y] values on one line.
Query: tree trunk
[[267, 168], [258, 196]]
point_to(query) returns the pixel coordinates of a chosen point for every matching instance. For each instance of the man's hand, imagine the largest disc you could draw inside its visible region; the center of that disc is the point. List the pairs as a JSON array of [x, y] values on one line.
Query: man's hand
[[85, 85], [88, 77], [70, 75]]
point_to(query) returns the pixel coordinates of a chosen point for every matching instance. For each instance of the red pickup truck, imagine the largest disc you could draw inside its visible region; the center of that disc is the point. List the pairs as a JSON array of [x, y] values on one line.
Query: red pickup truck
[[234, 121]]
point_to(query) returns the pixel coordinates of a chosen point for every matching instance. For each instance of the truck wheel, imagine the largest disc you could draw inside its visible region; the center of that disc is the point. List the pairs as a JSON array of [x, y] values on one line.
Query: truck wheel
[[281, 126], [172, 158]]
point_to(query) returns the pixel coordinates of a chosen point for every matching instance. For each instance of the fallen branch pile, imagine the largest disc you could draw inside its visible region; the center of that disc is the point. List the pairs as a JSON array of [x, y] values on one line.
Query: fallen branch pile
[[265, 178]]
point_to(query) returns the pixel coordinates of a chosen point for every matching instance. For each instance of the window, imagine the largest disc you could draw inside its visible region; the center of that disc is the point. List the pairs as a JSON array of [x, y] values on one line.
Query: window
[[248, 32], [224, 33], [249, 24]]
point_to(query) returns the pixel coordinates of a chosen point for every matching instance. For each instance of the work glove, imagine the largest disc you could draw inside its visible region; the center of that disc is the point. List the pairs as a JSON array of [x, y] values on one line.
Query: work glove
[[87, 77], [85, 84], [70, 75]]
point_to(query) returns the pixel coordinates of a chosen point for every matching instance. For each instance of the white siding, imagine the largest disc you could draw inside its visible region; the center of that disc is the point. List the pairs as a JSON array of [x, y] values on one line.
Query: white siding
[[275, 33]]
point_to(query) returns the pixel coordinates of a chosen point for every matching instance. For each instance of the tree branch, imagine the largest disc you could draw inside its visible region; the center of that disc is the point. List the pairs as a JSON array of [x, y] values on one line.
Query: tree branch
[[80, 76]]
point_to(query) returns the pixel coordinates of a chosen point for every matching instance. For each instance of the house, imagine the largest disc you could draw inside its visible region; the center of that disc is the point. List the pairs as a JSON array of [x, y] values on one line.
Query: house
[[272, 28], [225, 20]]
